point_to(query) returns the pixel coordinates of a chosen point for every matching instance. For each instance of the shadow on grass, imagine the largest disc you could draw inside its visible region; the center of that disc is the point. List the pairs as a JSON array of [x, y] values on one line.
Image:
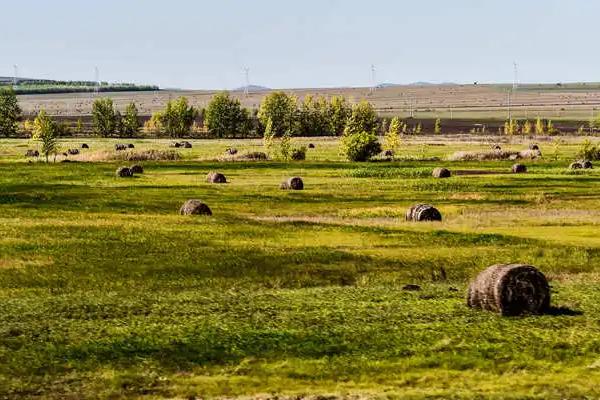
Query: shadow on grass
[[563, 312]]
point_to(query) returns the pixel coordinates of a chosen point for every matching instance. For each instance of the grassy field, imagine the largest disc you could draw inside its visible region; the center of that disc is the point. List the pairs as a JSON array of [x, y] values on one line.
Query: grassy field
[[106, 292]]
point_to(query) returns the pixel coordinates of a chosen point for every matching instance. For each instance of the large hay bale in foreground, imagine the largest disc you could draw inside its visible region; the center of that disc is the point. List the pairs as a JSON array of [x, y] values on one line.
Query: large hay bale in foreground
[[137, 169], [216, 177], [576, 165], [441, 173], [124, 172], [510, 289], [519, 169], [194, 207], [294, 183], [423, 212]]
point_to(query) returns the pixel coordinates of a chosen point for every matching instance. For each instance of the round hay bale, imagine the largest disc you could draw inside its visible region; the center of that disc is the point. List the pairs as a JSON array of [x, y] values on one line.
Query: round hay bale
[[388, 153], [85, 146], [137, 169], [441, 173], [294, 183], [496, 147], [32, 153], [311, 146], [216, 177], [519, 169], [576, 165], [194, 207], [423, 212], [231, 151], [587, 164], [186, 145], [124, 172], [176, 145], [510, 289], [533, 146], [130, 146], [120, 147], [73, 152]]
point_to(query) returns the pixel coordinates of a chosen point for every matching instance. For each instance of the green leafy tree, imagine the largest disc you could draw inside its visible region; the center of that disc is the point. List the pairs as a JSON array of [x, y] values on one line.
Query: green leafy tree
[[285, 146], [79, 126], [281, 109], [224, 116], [10, 112], [103, 117], [177, 119], [360, 146], [45, 131], [338, 113], [313, 117], [527, 128], [391, 140], [362, 119], [130, 125], [540, 129], [550, 128], [269, 136], [437, 129]]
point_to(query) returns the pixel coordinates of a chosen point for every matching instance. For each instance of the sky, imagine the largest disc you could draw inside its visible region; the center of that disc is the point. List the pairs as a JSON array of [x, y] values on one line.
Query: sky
[[201, 44]]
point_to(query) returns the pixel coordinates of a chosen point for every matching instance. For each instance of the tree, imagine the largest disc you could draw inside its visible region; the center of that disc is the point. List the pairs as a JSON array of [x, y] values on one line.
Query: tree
[[103, 117], [391, 140], [281, 109], [362, 119], [224, 116], [45, 131], [338, 113], [10, 112], [177, 118], [539, 127], [437, 129], [360, 146], [550, 128], [527, 128], [313, 118], [130, 126]]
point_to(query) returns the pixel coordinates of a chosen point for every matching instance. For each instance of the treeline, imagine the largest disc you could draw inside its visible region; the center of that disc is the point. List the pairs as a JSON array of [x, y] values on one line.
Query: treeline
[[77, 87]]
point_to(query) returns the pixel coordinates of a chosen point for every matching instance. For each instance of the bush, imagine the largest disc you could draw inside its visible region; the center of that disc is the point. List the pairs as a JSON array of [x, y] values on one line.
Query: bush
[[589, 151], [103, 116], [224, 116], [360, 146], [280, 109], [299, 153]]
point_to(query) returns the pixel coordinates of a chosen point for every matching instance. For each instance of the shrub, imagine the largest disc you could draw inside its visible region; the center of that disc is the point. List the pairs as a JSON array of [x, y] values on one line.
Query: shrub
[[438, 127], [299, 153], [589, 151], [360, 146], [10, 112], [130, 124], [391, 140]]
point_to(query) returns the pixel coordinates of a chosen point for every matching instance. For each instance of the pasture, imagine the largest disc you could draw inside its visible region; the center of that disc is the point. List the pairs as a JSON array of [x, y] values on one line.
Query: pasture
[[107, 292]]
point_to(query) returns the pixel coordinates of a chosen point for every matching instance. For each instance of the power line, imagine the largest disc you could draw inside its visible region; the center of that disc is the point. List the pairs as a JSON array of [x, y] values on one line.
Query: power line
[[373, 78], [516, 76]]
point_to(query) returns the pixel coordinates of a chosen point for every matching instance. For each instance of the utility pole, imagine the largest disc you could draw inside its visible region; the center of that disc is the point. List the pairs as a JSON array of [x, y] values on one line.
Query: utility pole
[[508, 105], [247, 76], [373, 79], [97, 79], [16, 76], [516, 76]]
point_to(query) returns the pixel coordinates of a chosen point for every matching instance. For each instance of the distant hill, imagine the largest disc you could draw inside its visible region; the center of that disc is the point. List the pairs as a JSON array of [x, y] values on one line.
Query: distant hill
[[252, 88], [386, 85]]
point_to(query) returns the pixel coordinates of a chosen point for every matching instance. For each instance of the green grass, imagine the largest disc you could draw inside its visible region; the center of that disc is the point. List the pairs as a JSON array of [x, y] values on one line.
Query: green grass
[[106, 292]]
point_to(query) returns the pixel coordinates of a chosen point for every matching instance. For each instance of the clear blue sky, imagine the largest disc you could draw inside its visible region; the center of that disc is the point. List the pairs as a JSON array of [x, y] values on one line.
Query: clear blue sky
[[200, 44]]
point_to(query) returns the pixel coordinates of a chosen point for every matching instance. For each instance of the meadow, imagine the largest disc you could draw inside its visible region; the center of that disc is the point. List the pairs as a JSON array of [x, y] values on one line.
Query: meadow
[[107, 292]]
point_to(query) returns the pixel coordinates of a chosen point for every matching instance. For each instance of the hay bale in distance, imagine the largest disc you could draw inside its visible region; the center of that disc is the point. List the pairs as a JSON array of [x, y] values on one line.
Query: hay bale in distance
[[216, 177], [186, 145], [32, 153], [231, 151], [510, 289], [496, 147], [124, 172], [586, 164], [120, 147], [73, 152], [441, 173], [576, 165], [130, 146], [294, 183], [519, 169], [137, 169], [85, 146], [311, 146], [195, 207], [533, 146], [423, 212], [254, 156]]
